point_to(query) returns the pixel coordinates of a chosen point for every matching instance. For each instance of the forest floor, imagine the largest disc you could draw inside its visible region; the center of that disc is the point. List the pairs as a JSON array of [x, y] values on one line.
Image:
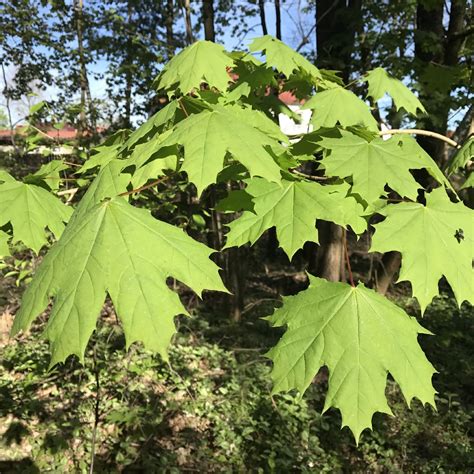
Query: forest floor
[[210, 409]]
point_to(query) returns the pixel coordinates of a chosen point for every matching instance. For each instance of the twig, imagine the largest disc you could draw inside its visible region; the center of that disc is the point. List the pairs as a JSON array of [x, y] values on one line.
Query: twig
[[72, 164], [348, 263], [307, 176], [72, 192], [146, 186], [417, 131]]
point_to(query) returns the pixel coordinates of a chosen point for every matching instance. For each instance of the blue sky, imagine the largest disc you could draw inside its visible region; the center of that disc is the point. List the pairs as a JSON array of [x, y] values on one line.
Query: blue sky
[[293, 19]]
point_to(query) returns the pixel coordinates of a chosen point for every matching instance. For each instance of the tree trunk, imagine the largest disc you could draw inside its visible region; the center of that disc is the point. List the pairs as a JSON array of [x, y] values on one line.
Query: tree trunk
[[208, 19], [337, 23], [434, 47], [83, 80], [187, 20], [330, 256], [386, 271], [263, 21], [128, 71], [169, 20], [278, 19]]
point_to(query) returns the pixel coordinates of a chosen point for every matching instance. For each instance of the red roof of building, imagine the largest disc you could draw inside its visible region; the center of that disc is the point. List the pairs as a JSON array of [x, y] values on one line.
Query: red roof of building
[[66, 133]]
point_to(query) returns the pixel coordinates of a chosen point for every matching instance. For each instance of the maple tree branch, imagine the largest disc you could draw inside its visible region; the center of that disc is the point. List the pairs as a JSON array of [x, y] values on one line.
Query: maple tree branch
[[145, 186], [307, 176], [417, 131]]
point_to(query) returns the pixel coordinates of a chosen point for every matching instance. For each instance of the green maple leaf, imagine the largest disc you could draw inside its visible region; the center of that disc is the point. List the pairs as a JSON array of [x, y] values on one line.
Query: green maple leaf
[[49, 174], [31, 209], [209, 135], [361, 337], [283, 58], [123, 251], [203, 61], [157, 123], [462, 156], [380, 83], [150, 159], [374, 164], [293, 209], [4, 248], [103, 155], [338, 105], [435, 240], [469, 183]]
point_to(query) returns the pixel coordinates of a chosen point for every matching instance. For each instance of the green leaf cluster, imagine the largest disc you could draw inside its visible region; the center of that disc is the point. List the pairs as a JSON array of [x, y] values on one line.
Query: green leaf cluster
[[219, 131]]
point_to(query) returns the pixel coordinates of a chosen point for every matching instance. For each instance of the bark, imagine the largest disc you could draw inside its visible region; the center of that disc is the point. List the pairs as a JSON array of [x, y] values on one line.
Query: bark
[[208, 19], [187, 20], [128, 71], [236, 272], [388, 268], [169, 20], [433, 46], [337, 23], [278, 19], [330, 256], [263, 21], [86, 98]]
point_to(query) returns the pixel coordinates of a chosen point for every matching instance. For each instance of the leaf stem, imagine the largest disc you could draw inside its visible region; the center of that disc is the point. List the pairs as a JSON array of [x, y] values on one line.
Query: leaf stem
[[348, 263], [417, 131], [181, 106], [146, 186]]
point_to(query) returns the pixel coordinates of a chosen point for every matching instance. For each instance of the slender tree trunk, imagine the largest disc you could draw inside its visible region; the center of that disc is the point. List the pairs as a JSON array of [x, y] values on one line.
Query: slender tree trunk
[[330, 256], [128, 70], [337, 24], [263, 21], [169, 21], [86, 98], [434, 47], [187, 20], [6, 94], [208, 19], [388, 268], [278, 19]]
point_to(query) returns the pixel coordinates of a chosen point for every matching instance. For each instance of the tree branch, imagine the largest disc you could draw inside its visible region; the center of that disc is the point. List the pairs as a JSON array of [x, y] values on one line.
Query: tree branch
[[417, 131]]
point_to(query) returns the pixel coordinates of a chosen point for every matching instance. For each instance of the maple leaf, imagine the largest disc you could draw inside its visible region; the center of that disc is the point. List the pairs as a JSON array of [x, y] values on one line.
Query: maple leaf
[[462, 156], [361, 337], [374, 164], [380, 83], [282, 57], [104, 155], [203, 61], [155, 124], [209, 135], [4, 249], [121, 250], [293, 209], [31, 209], [338, 105], [469, 183], [48, 174], [435, 240]]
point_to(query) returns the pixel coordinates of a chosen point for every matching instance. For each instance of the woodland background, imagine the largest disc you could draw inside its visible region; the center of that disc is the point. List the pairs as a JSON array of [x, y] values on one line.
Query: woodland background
[[87, 67]]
